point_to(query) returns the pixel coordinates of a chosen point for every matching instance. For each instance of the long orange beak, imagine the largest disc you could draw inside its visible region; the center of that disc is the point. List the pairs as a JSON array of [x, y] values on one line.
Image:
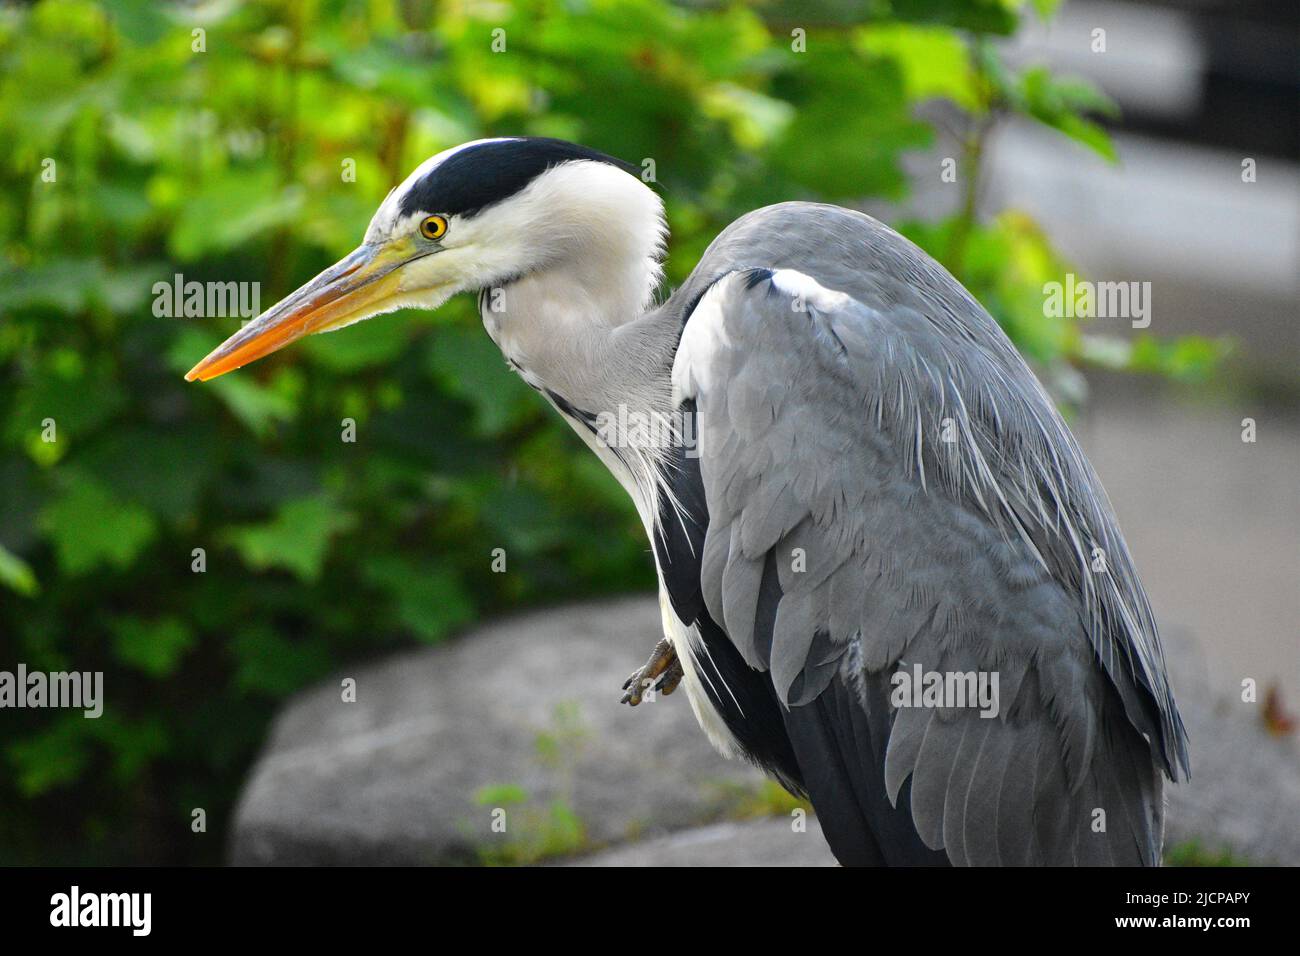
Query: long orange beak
[[348, 291]]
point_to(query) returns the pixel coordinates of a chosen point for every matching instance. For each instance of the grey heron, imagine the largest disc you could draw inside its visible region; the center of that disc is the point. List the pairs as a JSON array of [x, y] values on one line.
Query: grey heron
[[850, 478]]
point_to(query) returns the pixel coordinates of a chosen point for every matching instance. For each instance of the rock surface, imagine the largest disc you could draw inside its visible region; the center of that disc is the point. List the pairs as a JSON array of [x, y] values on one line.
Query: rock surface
[[1244, 795], [770, 842], [528, 708], [391, 778]]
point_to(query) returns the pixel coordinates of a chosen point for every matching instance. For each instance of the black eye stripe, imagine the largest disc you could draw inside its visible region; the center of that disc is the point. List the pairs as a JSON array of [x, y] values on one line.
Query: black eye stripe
[[478, 176]]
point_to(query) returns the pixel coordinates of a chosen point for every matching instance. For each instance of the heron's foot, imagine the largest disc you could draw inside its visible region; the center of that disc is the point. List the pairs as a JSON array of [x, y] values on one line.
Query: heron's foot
[[663, 672]]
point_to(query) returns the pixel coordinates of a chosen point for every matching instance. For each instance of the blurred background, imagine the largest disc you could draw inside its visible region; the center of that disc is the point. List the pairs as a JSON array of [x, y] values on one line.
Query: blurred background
[[213, 550]]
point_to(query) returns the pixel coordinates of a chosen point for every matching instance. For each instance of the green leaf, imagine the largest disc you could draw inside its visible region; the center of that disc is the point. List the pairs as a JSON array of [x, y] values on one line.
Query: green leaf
[[934, 61], [1190, 358], [259, 407], [89, 528], [565, 832], [269, 664], [858, 151], [754, 119], [228, 211], [16, 574], [140, 21], [1088, 134], [430, 599], [155, 647], [79, 398], [500, 795], [297, 539], [984, 16], [1058, 103], [53, 757], [134, 742]]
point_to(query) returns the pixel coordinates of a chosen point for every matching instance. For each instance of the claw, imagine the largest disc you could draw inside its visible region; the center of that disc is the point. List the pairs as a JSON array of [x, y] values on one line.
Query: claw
[[662, 671], [670, 678]]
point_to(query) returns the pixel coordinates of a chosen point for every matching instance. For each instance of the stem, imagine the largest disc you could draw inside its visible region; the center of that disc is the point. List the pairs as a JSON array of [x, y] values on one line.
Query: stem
[[972, 158]]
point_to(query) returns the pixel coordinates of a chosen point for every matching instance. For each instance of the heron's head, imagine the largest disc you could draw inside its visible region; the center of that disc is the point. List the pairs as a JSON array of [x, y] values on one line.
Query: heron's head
[[479, 216]]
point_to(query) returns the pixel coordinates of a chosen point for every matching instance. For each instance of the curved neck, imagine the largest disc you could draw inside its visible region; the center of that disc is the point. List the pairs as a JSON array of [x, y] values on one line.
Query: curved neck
[[587, 238], [577, 327], [583, 336]]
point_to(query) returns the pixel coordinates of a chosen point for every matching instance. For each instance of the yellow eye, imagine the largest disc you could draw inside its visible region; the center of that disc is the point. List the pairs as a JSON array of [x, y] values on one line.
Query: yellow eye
[[435, 227]]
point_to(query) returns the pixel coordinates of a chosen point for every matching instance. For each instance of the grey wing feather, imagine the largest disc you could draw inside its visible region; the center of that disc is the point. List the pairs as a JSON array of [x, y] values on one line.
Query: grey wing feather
[[887, 452]]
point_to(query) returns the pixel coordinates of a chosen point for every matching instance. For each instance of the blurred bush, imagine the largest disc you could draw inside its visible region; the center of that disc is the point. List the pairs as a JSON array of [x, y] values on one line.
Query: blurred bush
[[212, 549]]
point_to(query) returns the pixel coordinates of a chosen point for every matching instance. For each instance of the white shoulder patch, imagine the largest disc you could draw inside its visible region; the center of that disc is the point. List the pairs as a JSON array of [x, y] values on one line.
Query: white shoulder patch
[[705, 334], [808, 290], [706, 331]]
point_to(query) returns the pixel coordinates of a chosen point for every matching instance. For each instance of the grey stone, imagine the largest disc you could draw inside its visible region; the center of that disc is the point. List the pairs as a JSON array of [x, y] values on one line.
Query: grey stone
[[392, 778], [1244, 793], [764, 842]]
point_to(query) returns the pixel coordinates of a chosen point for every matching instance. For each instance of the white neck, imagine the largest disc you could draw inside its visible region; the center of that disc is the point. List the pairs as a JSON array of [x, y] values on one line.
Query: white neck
[[577, 326], [602, 234]]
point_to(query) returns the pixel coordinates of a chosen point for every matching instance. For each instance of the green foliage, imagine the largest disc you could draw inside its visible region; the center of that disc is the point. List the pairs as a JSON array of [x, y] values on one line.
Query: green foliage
[[296, 539], [558, 747], [534, 833], [155, 647], [501, 795], [88, 527], [737, 801], [129, 157], [548, 833], [1056, 102], [1192, 853], [17, 575]]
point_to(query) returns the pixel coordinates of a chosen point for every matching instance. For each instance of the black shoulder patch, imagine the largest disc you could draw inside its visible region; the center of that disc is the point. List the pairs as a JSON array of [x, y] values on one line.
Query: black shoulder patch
[[478, 176], [743, 696]]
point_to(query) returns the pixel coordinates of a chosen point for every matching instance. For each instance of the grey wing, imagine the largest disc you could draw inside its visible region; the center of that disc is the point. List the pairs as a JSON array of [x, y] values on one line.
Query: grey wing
[[884, 497]]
